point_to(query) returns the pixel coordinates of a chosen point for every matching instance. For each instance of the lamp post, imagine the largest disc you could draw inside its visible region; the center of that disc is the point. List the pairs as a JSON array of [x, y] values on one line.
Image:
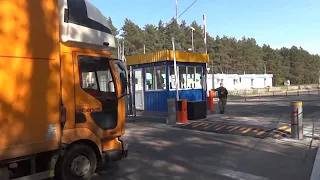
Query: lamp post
[[192, 29]]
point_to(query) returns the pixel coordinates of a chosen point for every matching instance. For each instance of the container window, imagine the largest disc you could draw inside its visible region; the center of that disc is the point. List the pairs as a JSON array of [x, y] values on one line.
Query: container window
[[150, 78], [198, 78], [160, 77]]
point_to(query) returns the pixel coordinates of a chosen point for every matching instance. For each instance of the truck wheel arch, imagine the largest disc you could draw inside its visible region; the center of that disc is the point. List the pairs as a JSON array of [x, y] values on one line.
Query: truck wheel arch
[[82, 135]]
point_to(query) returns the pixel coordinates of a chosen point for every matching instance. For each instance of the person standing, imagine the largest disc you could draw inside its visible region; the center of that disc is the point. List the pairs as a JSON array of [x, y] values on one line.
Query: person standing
[[223, 96]]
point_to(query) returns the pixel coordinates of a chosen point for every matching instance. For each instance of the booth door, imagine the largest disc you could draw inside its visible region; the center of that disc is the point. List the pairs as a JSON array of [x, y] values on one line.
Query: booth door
[[138, 89]]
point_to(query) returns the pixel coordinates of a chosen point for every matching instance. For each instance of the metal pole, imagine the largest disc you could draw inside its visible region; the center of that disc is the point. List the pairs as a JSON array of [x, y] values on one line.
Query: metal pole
[[144, 49], [177, 11], [205, 32], [296, 120], [192, 40], [212, 75], [175, 69]]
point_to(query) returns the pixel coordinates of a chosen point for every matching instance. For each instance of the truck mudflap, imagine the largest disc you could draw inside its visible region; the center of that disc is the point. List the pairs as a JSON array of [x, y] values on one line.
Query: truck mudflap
[[116, 155]]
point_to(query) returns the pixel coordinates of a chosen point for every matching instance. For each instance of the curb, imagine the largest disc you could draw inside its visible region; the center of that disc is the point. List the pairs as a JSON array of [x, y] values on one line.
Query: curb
[[315, 175]]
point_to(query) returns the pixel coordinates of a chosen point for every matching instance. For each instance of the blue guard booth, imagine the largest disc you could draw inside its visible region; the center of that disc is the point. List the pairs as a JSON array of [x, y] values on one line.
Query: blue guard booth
[[154, 82]]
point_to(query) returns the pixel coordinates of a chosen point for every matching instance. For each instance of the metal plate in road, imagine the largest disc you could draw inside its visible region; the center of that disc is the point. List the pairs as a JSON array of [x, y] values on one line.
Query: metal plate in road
[[280, 132]]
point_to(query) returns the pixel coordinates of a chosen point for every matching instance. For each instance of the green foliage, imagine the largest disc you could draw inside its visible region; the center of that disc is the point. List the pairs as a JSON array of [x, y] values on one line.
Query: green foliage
[[227, 54]]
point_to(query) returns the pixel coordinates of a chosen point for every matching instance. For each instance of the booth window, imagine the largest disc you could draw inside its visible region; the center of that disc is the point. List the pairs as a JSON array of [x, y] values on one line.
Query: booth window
[[172, 78], [198, 78], [156, 78], [190, 77], [150, 84], [182, 77], [160, 77]]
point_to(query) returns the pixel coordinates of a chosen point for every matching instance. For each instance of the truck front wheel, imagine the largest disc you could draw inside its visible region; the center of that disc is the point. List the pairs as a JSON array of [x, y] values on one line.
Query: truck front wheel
[[78, 163]]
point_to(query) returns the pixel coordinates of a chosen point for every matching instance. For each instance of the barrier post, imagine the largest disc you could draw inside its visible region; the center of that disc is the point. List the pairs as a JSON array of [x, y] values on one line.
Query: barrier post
[[296, 120], [182, 111], [210, 100]]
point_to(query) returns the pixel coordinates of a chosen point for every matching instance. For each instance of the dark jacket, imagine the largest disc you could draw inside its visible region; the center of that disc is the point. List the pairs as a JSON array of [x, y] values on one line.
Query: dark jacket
[[222, 92]]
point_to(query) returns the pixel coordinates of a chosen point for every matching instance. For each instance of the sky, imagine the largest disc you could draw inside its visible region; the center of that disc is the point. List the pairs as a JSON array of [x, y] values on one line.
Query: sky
[[279, 23]]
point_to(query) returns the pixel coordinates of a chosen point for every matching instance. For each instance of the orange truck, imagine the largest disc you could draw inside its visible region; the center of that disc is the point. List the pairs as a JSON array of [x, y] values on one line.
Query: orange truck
[[62, 111]]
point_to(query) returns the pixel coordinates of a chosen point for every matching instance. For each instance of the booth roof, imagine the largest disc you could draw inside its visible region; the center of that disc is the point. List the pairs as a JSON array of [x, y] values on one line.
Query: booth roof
[[167, 55]]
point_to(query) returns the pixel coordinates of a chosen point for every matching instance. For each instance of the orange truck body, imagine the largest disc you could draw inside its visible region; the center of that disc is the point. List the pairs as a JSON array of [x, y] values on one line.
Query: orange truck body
[[38, 73]]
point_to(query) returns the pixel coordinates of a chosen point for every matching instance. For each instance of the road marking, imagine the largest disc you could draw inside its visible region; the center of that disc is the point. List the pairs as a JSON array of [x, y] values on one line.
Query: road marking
[[229, 127], [233, 128], [276, 134], [221, 127], [209, 126], [315, 175], [237, 175], [206, 125], [285, 128], [217, 126], [256, 130], [247, 130], [200, 124], [261, 132], [194, 124]]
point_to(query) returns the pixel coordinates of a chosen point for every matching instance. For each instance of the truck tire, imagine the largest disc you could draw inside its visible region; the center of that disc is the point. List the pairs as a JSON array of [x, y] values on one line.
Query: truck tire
[[79, 162]]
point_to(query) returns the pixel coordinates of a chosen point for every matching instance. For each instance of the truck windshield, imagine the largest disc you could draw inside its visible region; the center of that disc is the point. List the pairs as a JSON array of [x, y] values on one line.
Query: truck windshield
[[95, 74]]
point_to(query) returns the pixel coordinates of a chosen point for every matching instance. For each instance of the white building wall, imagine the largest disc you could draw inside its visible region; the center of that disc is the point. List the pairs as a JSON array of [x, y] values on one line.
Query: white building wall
[[245, 81]]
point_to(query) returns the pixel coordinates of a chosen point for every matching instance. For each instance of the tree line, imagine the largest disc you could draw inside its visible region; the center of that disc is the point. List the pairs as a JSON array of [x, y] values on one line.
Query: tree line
[[228, 54]]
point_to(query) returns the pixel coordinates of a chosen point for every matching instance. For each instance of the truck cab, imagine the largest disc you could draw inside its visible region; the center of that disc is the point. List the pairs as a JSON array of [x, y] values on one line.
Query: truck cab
[[68, 117]]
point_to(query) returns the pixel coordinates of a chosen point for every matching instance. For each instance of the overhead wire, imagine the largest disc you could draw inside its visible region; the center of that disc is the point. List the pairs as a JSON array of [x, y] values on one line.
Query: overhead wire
[[180, 14]]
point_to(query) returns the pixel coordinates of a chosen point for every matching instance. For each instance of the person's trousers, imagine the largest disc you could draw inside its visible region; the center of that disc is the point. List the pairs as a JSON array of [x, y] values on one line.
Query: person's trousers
[[222, 104]]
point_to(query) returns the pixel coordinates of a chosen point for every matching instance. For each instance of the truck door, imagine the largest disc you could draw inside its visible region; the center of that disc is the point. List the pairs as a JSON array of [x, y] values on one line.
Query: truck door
[[97, 98]]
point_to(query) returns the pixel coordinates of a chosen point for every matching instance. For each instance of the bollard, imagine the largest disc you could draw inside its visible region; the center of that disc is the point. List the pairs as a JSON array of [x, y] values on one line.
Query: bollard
[[298, 93], [296, 120], [286, 93], [272, 94], [182, 111], [259, 95], [210, 100], [308, 91]]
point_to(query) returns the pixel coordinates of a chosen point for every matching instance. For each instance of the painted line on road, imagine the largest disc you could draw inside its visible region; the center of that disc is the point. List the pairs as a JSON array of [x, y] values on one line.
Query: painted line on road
[[200, 124], [237, 175], [221, 127], [247, 130], [315, 175]]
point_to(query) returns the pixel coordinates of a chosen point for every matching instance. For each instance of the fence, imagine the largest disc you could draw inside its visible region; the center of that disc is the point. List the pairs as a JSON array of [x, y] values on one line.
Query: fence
[[239, 92]]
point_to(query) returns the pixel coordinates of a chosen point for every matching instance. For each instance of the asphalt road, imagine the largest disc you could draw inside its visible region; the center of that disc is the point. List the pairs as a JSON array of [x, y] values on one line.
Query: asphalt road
[[158, 151], [268, 106], [161, 152]]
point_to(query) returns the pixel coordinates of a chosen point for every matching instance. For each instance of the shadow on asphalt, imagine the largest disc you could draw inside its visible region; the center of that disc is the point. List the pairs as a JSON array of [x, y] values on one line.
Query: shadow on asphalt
[[157, 153]]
